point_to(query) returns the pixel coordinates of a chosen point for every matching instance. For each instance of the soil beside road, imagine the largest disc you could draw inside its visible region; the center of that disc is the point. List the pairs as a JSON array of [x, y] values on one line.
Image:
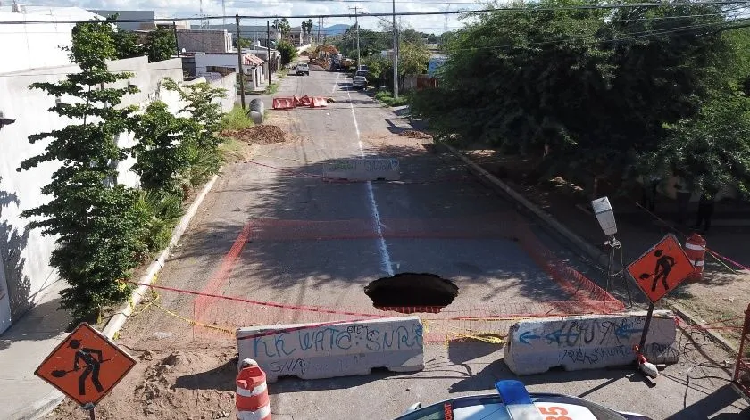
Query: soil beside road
[[271, 230], [720, 299]]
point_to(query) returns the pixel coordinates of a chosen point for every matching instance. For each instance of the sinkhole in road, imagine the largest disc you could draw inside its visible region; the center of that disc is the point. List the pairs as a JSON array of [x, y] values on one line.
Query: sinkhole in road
[[412, 292]]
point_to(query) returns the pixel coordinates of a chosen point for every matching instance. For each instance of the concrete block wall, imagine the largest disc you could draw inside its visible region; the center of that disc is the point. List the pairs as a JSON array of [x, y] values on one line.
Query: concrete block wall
[[204, 40], [26, 276]]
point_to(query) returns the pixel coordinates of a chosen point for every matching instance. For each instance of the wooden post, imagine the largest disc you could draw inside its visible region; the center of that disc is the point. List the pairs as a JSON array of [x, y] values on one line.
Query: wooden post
[[176, 40], [240, 69], [649, 315], [268, 28]]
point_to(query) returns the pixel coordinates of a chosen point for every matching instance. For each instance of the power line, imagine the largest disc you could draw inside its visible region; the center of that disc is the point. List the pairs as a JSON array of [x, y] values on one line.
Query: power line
[[431, 13]]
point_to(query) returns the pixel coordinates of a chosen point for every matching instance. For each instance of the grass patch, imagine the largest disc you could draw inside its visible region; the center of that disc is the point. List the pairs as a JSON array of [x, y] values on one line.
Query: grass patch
[[232, 150], [386, 98], [236, 119], [272, 88]]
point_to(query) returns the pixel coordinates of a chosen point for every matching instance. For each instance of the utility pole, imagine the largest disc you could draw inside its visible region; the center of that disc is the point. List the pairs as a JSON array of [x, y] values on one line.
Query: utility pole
[[240, 69], [268, 28], [395, 53], [320, 23], [176, 40], [356, 22]]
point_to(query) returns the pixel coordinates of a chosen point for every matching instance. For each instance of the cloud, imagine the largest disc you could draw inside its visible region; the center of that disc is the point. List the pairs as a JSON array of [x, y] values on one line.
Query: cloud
[[267, 8]]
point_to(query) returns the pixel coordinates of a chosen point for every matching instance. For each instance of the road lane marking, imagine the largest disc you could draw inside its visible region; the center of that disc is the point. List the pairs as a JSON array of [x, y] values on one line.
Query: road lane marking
[[335, 84], [385, 258]]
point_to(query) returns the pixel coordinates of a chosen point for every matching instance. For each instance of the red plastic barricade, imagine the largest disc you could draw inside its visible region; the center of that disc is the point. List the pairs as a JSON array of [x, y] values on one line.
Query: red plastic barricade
[[742, 368], [318, 101], [284, 102], [304, 101]]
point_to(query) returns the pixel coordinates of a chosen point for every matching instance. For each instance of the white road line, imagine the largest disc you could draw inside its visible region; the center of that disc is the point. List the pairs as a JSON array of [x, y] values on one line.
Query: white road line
[[385, 258], [335, 84]]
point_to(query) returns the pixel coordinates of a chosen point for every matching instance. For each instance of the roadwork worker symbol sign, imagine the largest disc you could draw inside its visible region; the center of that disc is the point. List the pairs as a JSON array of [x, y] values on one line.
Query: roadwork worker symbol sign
[[85, 366], [661, 269]]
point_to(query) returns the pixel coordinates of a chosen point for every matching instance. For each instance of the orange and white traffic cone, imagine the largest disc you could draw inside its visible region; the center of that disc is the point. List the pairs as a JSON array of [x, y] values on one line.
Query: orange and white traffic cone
[[253, 402]]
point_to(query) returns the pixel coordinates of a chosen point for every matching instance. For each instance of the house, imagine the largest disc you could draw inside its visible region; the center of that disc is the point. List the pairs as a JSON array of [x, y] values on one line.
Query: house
[[255, 67], [216, 41], [136, 15], [256, 34]]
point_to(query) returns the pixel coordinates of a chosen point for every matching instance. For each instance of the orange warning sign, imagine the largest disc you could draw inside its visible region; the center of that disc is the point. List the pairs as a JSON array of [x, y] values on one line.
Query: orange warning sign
[[661, 269], [85, 366]]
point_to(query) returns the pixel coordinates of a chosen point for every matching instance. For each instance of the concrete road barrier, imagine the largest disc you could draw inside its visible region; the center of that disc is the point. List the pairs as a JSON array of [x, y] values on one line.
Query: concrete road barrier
[[314, 351], [588, 342], [363, 170]]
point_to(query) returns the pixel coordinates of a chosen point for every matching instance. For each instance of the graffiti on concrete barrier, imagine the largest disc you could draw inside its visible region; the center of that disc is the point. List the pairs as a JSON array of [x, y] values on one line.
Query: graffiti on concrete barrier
[[579, 332], [596, 355], [311, 341], [289, 367]]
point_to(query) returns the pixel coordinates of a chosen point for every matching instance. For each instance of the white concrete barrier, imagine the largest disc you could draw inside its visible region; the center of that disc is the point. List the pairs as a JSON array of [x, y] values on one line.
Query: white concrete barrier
[[363, 170], [314, 351], [588, 342]]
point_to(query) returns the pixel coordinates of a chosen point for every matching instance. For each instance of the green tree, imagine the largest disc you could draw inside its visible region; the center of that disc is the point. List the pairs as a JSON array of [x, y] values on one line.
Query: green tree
[[97, 221], [287, 51], [585, 91], [282, 26], [307, 26], [164, 149], [161, 45], [412, 60], [202, 103], [711, 151], [127, 44], [246, 42]]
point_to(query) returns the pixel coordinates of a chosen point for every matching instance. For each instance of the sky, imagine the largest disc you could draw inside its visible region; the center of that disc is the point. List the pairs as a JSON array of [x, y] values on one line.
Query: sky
[[191, 8]]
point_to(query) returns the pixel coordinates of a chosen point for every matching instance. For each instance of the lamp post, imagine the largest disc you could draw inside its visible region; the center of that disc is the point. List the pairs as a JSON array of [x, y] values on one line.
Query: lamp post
[[606, 217]]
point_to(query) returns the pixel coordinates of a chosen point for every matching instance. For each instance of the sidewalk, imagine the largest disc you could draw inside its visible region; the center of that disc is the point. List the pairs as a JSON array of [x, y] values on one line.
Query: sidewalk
[[22, 349]]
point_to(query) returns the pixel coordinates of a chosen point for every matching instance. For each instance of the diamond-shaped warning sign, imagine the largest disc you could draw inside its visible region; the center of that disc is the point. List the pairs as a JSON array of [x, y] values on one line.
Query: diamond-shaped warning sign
[[661, 269], [85, 366]]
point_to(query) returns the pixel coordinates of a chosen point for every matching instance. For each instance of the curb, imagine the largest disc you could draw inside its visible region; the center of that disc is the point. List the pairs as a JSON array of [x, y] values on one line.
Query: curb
[[44, 406], [591, 251], [116, 323]]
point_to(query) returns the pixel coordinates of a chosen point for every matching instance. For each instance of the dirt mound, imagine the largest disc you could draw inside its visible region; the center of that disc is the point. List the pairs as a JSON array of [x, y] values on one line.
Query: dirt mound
[[259, 134], [415, 134], [185, 384], [315, 67]]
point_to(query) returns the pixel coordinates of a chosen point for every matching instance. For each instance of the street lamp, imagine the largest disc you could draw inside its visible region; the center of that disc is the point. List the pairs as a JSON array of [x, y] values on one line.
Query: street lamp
[[606, 217]]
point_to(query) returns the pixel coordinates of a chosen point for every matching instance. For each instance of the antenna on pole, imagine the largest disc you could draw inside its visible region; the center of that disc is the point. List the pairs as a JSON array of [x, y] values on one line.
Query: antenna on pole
[[447, 9], [224, 14], [204, 22]]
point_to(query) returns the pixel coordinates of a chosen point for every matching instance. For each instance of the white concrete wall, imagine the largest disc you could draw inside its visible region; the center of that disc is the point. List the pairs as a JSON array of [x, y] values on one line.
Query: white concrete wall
[[33, 46], [25, 253]]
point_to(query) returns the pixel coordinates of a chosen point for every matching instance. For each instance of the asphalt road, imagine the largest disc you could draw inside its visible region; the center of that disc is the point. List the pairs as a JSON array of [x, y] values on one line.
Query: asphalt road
[[311, 243]]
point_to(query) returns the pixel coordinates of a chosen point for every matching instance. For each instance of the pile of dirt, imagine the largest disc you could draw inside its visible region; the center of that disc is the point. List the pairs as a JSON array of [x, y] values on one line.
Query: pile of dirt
[[315, 67], [185, 384], [415, 134], [259, 134]]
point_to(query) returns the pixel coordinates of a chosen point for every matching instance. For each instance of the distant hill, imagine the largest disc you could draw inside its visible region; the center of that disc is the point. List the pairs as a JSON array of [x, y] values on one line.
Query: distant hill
[[336, 29]]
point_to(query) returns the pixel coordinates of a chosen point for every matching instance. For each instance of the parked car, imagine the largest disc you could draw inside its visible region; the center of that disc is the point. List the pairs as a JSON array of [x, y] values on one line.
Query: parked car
[[303, 69], [360, 79]]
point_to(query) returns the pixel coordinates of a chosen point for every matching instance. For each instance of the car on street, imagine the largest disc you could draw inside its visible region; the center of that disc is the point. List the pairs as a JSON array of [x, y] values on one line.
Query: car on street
[[303, 69], [360, 79]]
